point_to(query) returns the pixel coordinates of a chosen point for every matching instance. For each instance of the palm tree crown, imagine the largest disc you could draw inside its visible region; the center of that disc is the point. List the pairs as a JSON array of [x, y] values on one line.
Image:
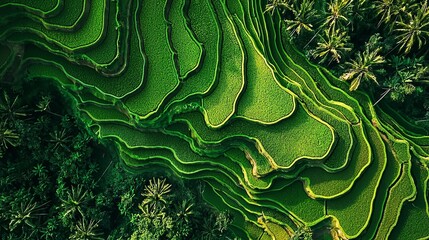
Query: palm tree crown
[[26, 214], [338, 14], [74, 201], [8, 137], [303, 16], [332, 47], [156, 193], [415, 30], [362, 67], [389, 10], [86, 230], [10, 109], [273, 5]]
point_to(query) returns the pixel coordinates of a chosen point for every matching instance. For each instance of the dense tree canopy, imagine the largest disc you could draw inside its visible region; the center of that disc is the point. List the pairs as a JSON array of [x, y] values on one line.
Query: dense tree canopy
[[50, 180]]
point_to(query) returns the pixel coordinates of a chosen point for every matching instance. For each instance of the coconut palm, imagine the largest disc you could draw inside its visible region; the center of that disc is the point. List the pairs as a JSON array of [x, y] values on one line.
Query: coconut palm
[[361, 69], [10, 109], [156, 193], [273, 5], [332, 46], [44, 105], [151, 213], [26, 214], [414, 30], [303, 16], [86, 230], [75, 199], [338, 14], [60, 139], [389, 11], [410, 70], [8, 138], [184, 211]]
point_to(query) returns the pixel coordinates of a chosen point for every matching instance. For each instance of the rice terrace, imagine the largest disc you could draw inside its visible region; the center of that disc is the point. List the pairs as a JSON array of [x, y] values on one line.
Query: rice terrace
[[214, 119]]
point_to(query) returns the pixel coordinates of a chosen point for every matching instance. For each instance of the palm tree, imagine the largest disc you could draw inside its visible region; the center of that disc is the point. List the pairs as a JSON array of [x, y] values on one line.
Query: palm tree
[[156, 193], [338, 14], [86, 230], [184, 211], [39, 170], [389, 11], [25, 215], [10, 110], [415, 30], [60, 139], [303, 16], [8, 138], [361, 69], [152, 213], [44, 105], [75, 199], [273, 5], [332, 47]]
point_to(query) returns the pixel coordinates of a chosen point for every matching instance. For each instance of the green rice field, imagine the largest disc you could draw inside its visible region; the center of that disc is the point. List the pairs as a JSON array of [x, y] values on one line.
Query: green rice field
[[208, 89]]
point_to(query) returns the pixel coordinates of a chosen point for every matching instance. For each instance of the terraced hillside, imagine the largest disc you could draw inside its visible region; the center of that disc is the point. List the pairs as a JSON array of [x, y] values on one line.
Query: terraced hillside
[[209, 89]]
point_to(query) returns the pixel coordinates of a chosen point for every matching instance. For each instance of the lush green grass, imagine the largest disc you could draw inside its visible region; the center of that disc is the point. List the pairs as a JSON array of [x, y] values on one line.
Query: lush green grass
[[404, 190], [87, 76], [272, 142], [110, 48], [329, 185], [87, 33], [295, 199], [264, 99], [40, 68], [359, 201], [276, 231], [33, 6], [204, 24], [73, 14], [161, 78], [413, 215], [189, 50], [103, 113], [221, 104], [390, 176]]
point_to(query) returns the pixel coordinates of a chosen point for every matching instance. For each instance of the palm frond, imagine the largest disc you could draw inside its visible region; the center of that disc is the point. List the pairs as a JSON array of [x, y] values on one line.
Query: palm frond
[[415, 30]]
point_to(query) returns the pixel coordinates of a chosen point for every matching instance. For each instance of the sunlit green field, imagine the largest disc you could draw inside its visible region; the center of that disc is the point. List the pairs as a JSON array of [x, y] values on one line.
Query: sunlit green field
[[211, 90]]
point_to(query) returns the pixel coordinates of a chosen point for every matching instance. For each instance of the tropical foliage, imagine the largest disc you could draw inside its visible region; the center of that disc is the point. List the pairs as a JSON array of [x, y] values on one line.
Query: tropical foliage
[[55, 192], [331, 47], [304, 16], [277, 5], [413, 29], [342, 38], [362, 68]]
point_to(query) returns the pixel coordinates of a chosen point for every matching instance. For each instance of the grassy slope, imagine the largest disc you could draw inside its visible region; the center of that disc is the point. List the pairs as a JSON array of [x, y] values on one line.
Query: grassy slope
[[211, 90]]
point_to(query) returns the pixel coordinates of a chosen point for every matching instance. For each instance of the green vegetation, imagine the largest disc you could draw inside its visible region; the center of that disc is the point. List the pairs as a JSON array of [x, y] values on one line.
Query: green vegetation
[[58, 181], [214, 119], [378, 46]]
